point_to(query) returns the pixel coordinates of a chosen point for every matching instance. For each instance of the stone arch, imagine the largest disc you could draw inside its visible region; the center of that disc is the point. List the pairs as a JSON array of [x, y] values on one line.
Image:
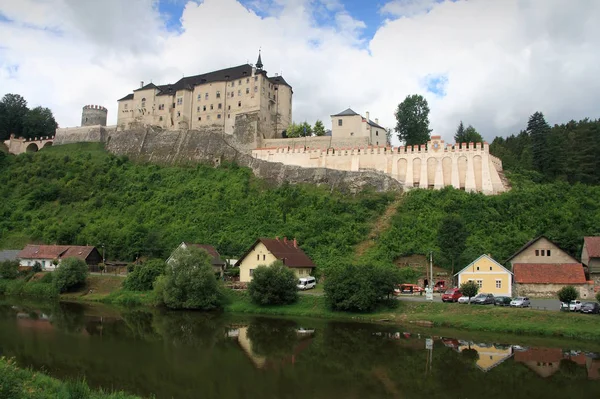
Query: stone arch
[[478, 172], [447, 171], [431, 169], [402, 163], [416, 171], [462, 172], [33, 147], [48, 144]]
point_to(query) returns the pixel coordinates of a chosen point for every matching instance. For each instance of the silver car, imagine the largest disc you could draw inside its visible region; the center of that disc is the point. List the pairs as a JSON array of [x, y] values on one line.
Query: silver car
[[520, 302], [463, 299]]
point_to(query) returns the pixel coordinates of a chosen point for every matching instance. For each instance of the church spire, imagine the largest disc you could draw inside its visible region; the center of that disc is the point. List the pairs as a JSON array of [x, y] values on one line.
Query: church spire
[[259, 63]]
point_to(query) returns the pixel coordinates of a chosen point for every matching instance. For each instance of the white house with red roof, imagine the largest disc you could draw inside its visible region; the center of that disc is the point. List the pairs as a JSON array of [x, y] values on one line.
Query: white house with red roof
[[49, 256], [590, 257]]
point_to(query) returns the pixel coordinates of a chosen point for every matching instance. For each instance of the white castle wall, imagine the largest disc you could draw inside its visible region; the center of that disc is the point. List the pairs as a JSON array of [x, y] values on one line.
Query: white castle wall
[[435, 165]]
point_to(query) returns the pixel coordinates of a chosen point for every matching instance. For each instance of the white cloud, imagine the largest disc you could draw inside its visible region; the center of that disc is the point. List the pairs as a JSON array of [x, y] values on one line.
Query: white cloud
[[500, 60], [407, 8]]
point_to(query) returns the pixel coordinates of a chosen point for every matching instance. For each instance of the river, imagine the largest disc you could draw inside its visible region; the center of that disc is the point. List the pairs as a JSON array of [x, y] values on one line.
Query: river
[[199, 355]]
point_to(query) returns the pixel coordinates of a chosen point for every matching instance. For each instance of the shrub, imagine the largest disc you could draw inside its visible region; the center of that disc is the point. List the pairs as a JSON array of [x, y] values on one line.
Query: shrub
[[273, 285], [469, 288], [9, 269], [40, 290], [359, 288], [46, 278], [190, 282], [37, 267], [143, 276], [70, 274], [567, 294], [598, 296]]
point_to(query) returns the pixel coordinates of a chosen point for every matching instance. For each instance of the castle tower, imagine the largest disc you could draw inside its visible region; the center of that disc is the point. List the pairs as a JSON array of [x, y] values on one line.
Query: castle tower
[[93, 115]]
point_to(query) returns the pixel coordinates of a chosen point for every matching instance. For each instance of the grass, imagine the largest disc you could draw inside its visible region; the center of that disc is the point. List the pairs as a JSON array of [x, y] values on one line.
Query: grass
[[17, 383]]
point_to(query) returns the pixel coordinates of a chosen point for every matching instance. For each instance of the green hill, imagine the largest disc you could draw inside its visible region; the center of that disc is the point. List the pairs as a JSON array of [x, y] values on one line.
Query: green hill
[[80, 194]]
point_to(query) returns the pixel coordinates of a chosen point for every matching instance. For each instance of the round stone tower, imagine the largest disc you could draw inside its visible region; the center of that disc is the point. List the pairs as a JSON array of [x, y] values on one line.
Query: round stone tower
[[93, 115]]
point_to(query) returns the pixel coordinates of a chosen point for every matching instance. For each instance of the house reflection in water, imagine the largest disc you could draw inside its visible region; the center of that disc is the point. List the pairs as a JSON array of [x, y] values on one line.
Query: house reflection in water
[[546, 361], [304, 338], [490, 355]]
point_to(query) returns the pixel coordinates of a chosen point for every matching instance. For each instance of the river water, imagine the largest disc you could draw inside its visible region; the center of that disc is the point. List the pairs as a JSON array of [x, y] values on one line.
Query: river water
[[199, 355]]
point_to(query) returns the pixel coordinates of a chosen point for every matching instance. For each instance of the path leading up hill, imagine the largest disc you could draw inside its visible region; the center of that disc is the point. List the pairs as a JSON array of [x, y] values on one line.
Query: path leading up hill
[[382, 223]]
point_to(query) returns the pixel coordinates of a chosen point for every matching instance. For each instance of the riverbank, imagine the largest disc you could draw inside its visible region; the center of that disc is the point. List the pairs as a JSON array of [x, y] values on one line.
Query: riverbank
[[17, 383]]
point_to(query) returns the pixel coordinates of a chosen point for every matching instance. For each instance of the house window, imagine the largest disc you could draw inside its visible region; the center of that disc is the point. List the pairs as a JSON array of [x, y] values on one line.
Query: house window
[[477, 267], [180, 101], [161, 107], [239, 103], [498, 283], [218, 116], [257, 257], [220, 106], [339, 122], [490, 268], [376, 133], [480, 283], [218, 94], [264, 257], [251, 272], [548, 252], [537, 252], [247, 90], [143, 102]]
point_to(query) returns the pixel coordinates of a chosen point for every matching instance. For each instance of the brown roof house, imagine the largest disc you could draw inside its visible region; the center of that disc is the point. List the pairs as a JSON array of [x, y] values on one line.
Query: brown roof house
[[265, 251], [217, 263], [543, 279], [48, 255], [590, 257], [541, 250]]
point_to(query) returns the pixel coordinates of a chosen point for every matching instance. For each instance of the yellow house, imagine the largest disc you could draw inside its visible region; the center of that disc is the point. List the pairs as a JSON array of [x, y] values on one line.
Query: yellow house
[[489, 355], [490, 276], [265, 251]]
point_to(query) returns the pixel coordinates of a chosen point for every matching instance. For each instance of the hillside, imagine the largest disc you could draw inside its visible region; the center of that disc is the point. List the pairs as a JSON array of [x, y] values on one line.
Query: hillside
[[81, 194]]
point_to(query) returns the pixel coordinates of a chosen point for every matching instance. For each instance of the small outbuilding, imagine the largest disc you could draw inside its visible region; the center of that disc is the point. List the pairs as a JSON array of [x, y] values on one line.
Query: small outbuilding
[[49, 256], [546, 279]]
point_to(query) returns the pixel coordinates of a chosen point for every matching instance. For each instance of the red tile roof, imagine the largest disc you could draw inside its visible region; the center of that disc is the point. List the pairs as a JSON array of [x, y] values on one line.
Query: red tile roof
[[545, 273], [592, 244], [55, 251], [285, 250]]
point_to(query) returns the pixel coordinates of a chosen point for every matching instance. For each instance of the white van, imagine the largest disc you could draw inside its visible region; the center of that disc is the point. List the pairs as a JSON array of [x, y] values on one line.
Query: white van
[[306, 283]]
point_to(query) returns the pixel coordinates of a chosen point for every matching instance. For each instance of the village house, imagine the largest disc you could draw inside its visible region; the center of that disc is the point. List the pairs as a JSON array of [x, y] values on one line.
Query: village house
[[489, 356], [50, 256], [490, 276], [590, 257], [265, 251], [217, 263], [546, 279], [348, 124], [540, 250]]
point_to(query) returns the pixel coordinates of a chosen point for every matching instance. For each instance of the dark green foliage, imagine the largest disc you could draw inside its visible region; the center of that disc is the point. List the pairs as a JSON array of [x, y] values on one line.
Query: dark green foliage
[[70, 274], [37, 267], [39, 122], [598, 296], [469, 288], [299, 130], [412, 120], [452, 238], [143, 276], [190, 282], [468, 135], [567, 294], [273, 285], [359, 288], [46, 278], [319, 129], [76, 389], [9, 269], [17, 119], [539, 130]]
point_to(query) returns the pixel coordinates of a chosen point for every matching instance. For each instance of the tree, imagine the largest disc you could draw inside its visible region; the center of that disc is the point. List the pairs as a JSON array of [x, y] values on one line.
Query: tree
[[567, 294], [189, 282], [293, 130], [538, 129], [70, 274], [452, 238], [472, 136], [273, 285], [13, 109], [39, 122], [359, 288], [470, 289], [412, 118], [143, 276], [9, 269], [305, 129], [319, 129], [460, 134]]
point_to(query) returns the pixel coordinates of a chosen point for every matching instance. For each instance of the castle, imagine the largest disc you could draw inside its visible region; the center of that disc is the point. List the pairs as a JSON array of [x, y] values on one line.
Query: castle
[[250, 111]]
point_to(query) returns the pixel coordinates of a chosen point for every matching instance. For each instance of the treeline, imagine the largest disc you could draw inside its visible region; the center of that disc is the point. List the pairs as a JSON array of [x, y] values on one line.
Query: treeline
[[568, 152], [18, 119]]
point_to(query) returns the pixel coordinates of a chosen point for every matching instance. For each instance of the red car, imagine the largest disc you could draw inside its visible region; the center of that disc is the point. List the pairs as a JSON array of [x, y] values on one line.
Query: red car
[[451, 295]]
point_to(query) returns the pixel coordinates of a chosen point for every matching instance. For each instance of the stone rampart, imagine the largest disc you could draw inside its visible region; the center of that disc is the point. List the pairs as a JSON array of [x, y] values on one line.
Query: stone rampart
[[93, 134], [322, 142]]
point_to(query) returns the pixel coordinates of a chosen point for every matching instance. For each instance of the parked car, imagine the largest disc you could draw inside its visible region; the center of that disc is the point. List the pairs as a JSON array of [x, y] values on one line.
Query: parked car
[[306, 283], [520, 302], [575, 306], [451, 295], [463, 299], [590, 307], [483, 299], [502, 301]]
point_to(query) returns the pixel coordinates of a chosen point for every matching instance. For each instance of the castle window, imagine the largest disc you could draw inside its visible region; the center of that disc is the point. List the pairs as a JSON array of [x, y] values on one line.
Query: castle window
[[228, 107], [143, 102], [377, 133], [199, 97], [228, 116], [211, 107], [351, 133], [207, 117], [206, 96], [340, 122], [218, 116], [548, 252], [257, 257], [178, 114], [255, 78], [160, 118], [204, 108], [255, 89], [199, 118], [239, 103], [218, 94], [247, 90], [219, 106], [173, 105], [179, 100], [232, 84], [125, 106], [247, 80], [239, 92], [239, 82], [232, 94], [161, 107], [198, 109]]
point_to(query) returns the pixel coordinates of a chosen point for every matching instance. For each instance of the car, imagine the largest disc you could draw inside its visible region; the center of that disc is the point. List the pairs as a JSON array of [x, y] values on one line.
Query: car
[[520, 302], [590, 307], [408, 289], [575, 306], [483, 299], [306, 283], [451, 295], [463, 299], [502, 301]]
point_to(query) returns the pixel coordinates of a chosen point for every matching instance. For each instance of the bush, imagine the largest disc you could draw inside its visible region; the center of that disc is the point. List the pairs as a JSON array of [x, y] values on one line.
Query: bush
[[9, 269], [360, 288], [598, 296], [190, 282], [37, 267], [46, 278], [70, 274], [40, 290], [273, 285], [469, 288], [567, 294], [143, 276]]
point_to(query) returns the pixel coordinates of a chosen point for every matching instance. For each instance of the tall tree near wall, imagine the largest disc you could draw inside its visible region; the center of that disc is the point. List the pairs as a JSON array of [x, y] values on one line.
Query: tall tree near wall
[[460, 133], [538, 130], [412, 120], [468, 135], [13, 109], [39, 122], [319, 129], [452, 239]]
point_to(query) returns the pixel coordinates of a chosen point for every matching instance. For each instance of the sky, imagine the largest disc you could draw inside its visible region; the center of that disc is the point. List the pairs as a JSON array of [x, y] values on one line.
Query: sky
[[488, 63]]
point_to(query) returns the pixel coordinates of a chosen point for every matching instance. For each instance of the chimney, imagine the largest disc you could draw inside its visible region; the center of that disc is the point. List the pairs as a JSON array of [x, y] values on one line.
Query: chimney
[[285, 240], [295, 243], [368, 116], [141, 84], [377, 120]]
